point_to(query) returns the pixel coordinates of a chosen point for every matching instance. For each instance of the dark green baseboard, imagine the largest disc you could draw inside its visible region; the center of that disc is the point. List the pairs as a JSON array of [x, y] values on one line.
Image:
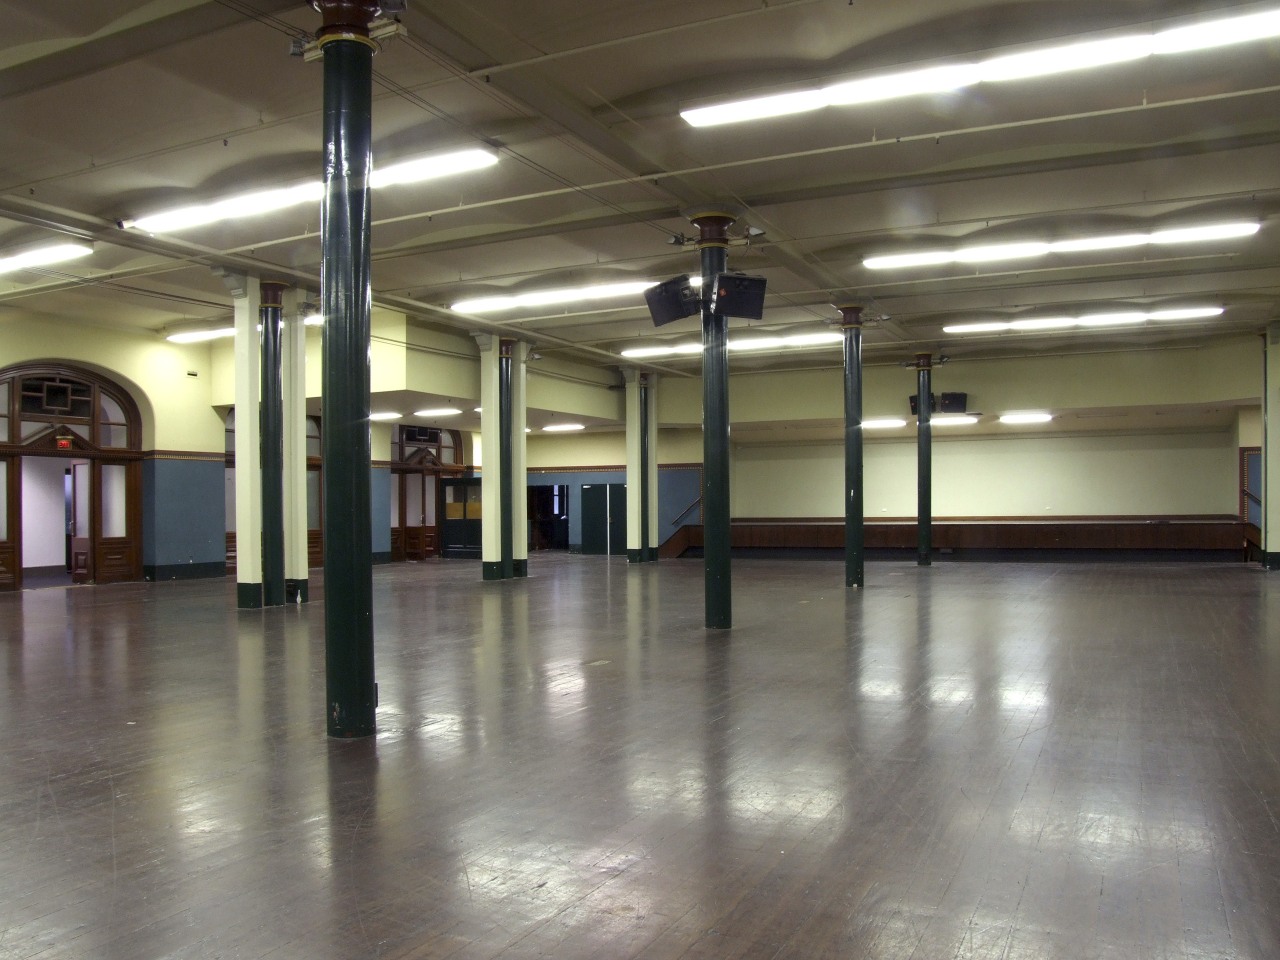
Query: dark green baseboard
[[249, 596]]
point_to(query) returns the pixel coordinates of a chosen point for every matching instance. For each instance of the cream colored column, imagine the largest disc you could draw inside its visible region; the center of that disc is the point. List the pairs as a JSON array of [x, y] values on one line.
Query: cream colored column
[[642, 465], [519, 460], [631, 378], [1271, 449], [490, 459], [247, 301], [651, 424], [296, 565]]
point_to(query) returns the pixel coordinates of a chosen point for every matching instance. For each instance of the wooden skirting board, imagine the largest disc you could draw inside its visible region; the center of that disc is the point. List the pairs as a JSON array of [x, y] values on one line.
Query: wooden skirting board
[[1158, 533]]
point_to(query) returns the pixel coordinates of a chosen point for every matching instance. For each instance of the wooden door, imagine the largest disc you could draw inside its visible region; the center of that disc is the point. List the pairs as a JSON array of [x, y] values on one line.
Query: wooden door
[[81, 522], [10, 525], [116, 521]]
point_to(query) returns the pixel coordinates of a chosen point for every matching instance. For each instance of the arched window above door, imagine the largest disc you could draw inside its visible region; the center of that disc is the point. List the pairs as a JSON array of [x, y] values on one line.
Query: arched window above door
[[66, 408]]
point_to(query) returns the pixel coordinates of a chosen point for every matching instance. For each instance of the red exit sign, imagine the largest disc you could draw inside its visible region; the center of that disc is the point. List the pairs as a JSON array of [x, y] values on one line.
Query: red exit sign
[[64, 443]]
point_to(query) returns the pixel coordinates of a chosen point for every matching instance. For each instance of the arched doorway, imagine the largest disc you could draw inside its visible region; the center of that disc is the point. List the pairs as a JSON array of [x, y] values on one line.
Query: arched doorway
[[70, 446]]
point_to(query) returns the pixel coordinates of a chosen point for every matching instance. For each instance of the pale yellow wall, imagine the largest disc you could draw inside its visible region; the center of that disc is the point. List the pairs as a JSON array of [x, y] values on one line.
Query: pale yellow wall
[[175, 407], [1226, 372], [679, 446], [575, 389], [443, 363], [579, 450], [1190, 473]]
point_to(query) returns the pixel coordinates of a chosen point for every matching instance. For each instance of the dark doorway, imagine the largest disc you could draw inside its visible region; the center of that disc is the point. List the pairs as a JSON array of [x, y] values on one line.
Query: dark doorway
[[604, 518], [549, 518]]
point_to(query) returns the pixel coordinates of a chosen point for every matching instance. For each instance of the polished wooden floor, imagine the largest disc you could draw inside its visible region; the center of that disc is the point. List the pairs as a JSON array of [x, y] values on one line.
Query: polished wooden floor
[[970, 760]]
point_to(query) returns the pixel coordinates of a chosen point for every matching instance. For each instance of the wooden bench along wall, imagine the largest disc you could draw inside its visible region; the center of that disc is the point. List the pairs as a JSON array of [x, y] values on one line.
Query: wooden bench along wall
[[1156, 533]]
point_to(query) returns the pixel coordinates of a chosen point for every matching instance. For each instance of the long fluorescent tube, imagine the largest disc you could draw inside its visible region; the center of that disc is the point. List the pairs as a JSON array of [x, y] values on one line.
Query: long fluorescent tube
[[545, 298], [987, 253], [388, 415], [1025, 64], [200, 336], [1113, 319], [243, 205], [430, 168], [563, 427], [1028, 416], [957, 420], [44, 256], [259, 202], [820, 339], [438, 412], [883, 423]]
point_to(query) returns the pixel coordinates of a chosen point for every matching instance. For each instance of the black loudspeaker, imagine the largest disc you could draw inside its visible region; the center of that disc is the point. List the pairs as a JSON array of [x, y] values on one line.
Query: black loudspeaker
[[955, 402], [933, 404], [738, 295], [672, 300]]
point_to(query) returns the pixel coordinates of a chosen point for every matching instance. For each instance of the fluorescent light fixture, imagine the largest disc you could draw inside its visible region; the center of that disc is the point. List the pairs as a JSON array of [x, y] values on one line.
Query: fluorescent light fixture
[[268, 201], [987, 253], [438, 412], [233, 208], [200, 336], [1001, 251], [1023, 65], [44, 256], [563, 427], [430, 168], [957, 420], [639, 353], [1188, 313], [757, 108], [478, 409], [909, 83], [1065, 59], [883, 423], [544, 298], [314, 320], [1119, 318], [1217, 33], [1028, 416], [820, 339], [385, 416]]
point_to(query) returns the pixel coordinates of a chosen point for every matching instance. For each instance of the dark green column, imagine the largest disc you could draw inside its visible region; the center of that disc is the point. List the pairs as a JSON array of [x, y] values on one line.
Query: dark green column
[[272, 433], [507, 518], [713, 243], [854, 523], [647, 552], [924, 458], [351, 693]]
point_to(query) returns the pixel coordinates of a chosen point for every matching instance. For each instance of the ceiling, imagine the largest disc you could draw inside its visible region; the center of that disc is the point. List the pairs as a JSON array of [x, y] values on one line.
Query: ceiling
[[114, 109]]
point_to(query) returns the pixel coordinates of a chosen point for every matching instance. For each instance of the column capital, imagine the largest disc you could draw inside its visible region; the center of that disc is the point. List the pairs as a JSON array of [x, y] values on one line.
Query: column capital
[[850, 314], [346, 19]]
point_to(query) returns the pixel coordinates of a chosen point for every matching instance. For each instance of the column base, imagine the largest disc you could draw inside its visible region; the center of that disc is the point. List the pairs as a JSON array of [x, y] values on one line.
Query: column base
[[520, 568], [296, 591], [249, 596], [491, 570], [635, 556], [1270, 561], [924, 561], [649, 555]]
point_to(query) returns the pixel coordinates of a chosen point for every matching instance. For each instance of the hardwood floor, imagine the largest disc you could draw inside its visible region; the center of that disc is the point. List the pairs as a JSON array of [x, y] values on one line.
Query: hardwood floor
[[965, 761]]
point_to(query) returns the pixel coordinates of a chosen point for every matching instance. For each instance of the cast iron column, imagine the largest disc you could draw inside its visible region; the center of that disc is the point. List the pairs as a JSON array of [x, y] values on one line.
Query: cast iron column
[[713, 243], [924, 466], [507, 516], [272, 430], [351, 693], [645, 453], [854, 525]]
